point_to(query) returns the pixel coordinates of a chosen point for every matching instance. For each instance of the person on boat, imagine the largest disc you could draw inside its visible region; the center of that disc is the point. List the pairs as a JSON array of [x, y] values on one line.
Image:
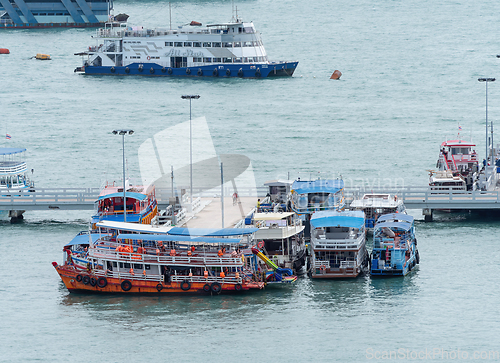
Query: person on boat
[[258, 205]]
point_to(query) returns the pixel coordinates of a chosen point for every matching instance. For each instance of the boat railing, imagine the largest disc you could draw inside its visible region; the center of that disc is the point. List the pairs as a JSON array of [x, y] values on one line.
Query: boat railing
[[173, 278], [348, 264], [321, 242], [321, 264], [131, 257]]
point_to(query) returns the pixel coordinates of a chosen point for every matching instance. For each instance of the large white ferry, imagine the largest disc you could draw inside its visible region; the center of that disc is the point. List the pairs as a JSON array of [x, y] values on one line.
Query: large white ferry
[[232, 49]]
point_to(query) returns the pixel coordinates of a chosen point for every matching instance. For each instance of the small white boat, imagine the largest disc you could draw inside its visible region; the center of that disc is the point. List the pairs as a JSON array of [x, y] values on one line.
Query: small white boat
[[374, 205]]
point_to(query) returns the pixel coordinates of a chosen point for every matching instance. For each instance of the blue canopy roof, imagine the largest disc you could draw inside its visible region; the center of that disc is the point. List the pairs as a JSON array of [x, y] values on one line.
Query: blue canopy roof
[[215, 232], [401, 225], [318, 186], [398, 216], [131, 217], [83, 239], [156, 237], [133, 195], [11, 150], [352, 219]]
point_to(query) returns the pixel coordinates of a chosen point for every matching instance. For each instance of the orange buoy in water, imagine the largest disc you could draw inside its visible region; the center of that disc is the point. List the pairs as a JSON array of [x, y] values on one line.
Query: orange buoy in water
[[336, 74], [4, 51]]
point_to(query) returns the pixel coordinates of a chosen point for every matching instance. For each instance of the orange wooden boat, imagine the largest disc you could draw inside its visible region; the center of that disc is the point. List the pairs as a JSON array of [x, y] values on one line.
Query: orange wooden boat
[[158, 264]]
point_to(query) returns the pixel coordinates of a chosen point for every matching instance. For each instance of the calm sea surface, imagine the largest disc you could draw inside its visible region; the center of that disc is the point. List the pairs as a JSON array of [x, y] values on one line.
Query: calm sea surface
[[410, 72]]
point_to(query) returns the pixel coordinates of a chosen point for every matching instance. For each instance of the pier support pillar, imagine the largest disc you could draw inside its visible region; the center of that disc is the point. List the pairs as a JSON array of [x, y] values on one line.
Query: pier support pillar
[[16, 216], [427, 212]]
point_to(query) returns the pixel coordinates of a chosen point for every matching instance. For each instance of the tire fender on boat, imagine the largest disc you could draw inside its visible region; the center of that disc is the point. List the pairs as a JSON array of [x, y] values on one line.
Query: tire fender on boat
[[215, 72], [127, 70], [79, 278], [257, 72], [188, 71], [163, 70], [228, 72], [93, 281], [200, 72], [240, 72], [238, 287], [216, 287], [169, 71], [159, 287], [140, 67], [112, 69], [86, 280], [185, 285], [126, 285], [152, 70], [102, 282], [207, 288]]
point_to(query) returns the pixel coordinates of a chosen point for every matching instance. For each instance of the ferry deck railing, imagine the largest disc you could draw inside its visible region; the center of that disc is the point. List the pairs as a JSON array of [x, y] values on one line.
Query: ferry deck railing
[[173, 278]]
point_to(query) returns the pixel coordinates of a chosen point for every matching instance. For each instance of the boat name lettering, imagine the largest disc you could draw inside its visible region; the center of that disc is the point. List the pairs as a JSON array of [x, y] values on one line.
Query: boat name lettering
[[185, 53]]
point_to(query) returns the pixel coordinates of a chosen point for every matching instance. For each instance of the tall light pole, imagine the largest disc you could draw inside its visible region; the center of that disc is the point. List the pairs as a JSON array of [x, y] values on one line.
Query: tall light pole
[[486, 80], [190, 97], [123, 133]]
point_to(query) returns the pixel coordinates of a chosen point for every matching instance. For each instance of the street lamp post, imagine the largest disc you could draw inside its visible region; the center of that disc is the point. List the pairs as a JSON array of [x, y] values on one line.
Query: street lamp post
[[190, 97], [486, 80], [123, 133]]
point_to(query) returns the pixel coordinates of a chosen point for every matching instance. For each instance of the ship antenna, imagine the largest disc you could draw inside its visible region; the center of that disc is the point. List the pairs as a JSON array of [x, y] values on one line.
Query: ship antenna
[[232, 11], [170, 13]]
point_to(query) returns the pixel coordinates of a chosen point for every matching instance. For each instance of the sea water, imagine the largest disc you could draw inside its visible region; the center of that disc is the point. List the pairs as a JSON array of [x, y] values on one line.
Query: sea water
[[410, 71]]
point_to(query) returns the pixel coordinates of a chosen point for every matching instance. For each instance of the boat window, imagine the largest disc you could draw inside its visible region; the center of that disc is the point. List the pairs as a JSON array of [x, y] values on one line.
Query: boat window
[[247, 44], [197, 59], [237, 60], [177, 44], [207, 44], [217, 60], [228, 60], [187, 44], [207, 60], [237, 44], [197, 44], [147, 267], [124, 265], [169, 44], [255, 43], [137, 266], [228, 45], [216, 44], [115, 264], [250, 60], [248, 30]]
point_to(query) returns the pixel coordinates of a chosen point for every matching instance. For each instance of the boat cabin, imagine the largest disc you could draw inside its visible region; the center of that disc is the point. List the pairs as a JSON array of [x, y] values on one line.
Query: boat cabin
[[310, 196], [13, 169], [374, 205], [458, 156]]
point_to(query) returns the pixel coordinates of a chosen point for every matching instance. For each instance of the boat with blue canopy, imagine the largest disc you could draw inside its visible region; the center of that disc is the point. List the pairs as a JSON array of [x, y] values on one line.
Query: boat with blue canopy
[[395, 250], [310, 196], [14, 170], [183, 261], [338, 244]]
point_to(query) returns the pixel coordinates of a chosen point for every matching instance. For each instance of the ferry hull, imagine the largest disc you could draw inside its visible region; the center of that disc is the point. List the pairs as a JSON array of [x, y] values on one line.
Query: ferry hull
[[139, 286], [50, 25], [284, 69]]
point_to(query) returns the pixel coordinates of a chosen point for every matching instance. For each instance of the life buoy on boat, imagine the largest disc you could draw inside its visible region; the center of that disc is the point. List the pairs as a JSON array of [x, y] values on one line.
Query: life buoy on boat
[[79, 278], [126, 285], [127, 70], [188, 71], [322, 268], [228, 72], [200, 72], [206, 288], [215, 72], [185, 285], [260, 244], [148, 57], [216, 287], [102, 282], [159, 287]]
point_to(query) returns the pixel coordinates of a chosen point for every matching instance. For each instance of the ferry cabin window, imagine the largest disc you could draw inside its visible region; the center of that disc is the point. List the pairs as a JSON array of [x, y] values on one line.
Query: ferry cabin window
[[217, 60], [249, 30], [177, 44], [207, 60], [237, 60], [228, 45], [197, 44], [124, 265], [216, 45], [207, 45], [237, 44], [228, 60], [247, 44], [187, 44], [137, 266], [169, 44], [196, 59]]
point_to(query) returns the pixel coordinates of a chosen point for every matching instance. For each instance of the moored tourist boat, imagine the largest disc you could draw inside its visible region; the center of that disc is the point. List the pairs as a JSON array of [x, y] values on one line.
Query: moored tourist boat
[[14, 170], [141, 202], [338, 244], [281, 236], [232, 49], [165, 263], [376, 204], [395, 250]]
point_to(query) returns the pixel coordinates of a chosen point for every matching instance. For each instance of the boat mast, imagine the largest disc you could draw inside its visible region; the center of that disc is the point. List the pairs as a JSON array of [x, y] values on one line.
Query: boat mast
[[170, 13]]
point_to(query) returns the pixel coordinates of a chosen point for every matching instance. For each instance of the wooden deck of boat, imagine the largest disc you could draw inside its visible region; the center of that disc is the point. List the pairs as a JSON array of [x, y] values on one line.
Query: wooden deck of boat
[[211, 217]]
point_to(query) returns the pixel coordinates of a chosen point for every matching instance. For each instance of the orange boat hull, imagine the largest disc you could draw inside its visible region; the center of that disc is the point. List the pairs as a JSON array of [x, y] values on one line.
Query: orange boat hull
[[138, 286]]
